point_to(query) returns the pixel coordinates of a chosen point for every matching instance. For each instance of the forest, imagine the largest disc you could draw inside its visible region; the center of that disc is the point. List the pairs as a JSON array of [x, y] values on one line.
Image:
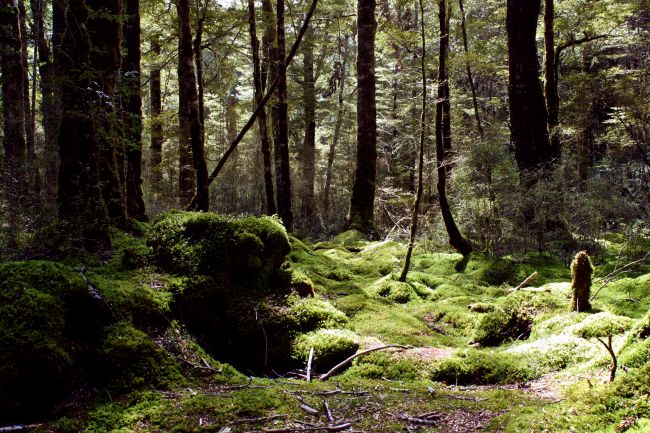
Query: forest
[[364, 216]]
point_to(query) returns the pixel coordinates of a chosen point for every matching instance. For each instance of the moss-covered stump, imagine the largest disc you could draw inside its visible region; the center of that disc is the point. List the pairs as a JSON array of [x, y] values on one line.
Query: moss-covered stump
[[46, 322], [581, 269]]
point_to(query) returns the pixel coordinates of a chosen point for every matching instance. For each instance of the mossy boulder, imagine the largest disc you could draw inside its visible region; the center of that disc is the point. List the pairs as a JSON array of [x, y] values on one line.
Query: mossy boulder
[[331, 346], [46, 318]]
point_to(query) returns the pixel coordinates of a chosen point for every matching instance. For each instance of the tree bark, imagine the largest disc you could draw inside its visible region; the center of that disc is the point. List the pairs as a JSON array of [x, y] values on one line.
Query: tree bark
[[198, 60], [309, 144], [261, 117], [423, 127], [189, 114], [105, 30], [362, 202], [157, 136], [551, 78], [282, 169], [528, 117], [133, 112], [456, 239], [15, 174], [468, 68], [82, 210], [24, 42]]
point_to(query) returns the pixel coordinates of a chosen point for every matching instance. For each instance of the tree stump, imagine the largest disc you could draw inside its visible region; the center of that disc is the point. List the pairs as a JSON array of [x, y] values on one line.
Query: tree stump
[[581, 269]]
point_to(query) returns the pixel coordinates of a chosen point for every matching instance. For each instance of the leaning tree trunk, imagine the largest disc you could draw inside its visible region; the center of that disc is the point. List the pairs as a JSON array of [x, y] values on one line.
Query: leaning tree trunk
[[443, 135], [133, 112], [157, 137], [362, 202], [82, 211], [528, 129], [309, 144], [261, 117], [105, 30], [15, 175], [282, 169], [189, 110]]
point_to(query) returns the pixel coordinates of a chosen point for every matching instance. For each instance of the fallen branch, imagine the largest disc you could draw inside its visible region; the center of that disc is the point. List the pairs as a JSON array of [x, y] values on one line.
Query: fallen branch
[[328, 411], [610, 277], [260, 419], [356, 355], [311, 357], [414, 420], [526, 281], [19, 427], [338, 427]]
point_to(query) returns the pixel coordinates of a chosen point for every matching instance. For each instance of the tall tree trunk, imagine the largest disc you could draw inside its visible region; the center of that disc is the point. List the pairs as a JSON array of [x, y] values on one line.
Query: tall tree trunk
[[282, 170], [105, 30], [133, 112], [15, 175], [24, 42], [443, 136], [157, 136], [423, 127], [309, 144], [468, 68], [551, 78], [82, 211], [188, 109], [337, 128], [528, 129], [362, 202], [198, 59], [261, 117]]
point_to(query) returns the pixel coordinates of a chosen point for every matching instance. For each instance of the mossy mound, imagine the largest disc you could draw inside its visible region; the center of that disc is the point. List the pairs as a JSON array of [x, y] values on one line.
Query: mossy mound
[[46, 319], [513, 317], [331, 346], [602, 325], [311, 313], [477, 367], [498, 271], [400, 292]]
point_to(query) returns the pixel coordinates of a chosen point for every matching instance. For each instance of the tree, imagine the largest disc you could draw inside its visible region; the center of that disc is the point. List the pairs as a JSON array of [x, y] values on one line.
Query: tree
[[157, 137], [133, 112], [309, 144], [188, 113], [528, 117], [362, 202], [15, 177], [468, 69], [82, 210], [443, 134]]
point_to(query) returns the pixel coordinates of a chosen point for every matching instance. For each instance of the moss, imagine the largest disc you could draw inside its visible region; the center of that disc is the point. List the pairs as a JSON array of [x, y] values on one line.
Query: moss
[[349, 238], [310, 313], [636, 355], [389, 288], [498, 271], [603, 325], [129, 359], [302, 284], [382, 365], [481, 307], [474, 367], [331, 346]]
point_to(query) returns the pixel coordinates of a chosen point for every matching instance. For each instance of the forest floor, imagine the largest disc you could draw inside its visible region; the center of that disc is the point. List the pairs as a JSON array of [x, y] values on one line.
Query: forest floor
[[480, 357]]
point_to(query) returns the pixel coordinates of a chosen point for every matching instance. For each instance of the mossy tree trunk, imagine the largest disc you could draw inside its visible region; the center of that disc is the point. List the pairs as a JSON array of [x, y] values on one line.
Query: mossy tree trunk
[[133, 112], [581, 269], [362, 202], [82, 211], [443, 135]]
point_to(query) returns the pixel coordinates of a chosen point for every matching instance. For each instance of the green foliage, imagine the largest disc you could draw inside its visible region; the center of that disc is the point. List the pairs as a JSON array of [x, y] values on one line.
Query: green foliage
[[478, 367], [331, 346]]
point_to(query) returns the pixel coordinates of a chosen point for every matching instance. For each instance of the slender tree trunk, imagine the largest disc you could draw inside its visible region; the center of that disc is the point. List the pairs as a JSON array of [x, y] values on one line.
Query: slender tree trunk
[[282, 170], [82, 211], [157, 136], [456, 239], [105, 30], [468, 68], [261, 117], [15, 175], [188, 109], [362, 202], [528, 128], [309, 144], [198, 59], [133, 112], [337, 128], [423, 127], [24, 42], [551, 78]]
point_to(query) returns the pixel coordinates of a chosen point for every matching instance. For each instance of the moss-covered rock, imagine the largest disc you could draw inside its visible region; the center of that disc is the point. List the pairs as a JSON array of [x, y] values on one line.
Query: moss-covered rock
[[331, 346]]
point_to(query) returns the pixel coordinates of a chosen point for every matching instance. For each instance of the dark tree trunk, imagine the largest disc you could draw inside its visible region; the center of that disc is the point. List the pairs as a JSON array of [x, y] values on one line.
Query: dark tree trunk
[[24, 41], [337, 128], [82, 211], [198, 59], [468, 68], [133, 112], [551, 78], [157, 137], [528, 129], [15, 175], [105, 30], [189, 113], [309, 144], [362, 202], [261, 117], [456, 239], [282, 170]]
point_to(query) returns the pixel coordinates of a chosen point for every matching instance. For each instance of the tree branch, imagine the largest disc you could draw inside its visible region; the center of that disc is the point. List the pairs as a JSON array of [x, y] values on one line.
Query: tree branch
[[356, 355]]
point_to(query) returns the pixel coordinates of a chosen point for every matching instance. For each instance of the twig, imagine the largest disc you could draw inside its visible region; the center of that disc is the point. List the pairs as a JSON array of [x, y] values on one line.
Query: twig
[[356, 355], [338, 427], [414, 420], [310, 410], [260, 419], [610, 277], [523, 283], [311, 357], [328, 411]]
